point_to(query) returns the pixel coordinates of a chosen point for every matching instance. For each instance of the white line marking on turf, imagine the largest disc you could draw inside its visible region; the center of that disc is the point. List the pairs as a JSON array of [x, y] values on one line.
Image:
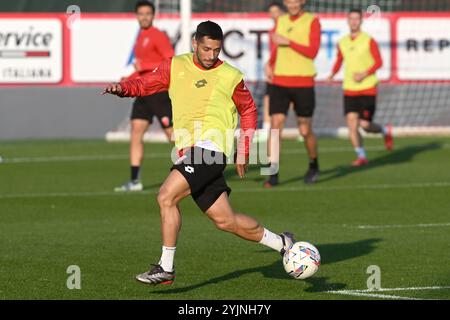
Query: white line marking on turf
[[243, 190], [163, 155], [406, 289], [420, 225], [351, 187], [371, 293], [80, 158], [67, 194]]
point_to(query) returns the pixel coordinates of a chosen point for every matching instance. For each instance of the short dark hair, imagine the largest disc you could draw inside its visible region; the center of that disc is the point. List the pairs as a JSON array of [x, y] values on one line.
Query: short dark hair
[[275, 4], [144, 3], [355, 10], [209, 29]]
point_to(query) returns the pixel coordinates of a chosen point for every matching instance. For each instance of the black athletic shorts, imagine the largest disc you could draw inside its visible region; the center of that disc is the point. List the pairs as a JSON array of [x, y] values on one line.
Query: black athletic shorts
[[203, 170], [363, 105], [304, 100], [158, 105], [268, 88]]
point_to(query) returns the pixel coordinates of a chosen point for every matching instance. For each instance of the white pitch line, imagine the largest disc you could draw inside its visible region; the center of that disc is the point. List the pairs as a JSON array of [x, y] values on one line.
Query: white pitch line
[[68, 194], [80, 158], [240, 190], [420, 225], [351, 187], [163, 155], [371, 293], [404, 289]]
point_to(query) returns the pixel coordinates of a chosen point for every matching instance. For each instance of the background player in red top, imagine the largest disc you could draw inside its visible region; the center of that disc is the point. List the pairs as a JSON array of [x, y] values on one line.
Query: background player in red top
[[151, 48]]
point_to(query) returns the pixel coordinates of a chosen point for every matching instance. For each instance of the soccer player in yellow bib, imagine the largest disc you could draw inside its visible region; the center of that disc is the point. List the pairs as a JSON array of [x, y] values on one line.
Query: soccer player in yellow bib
[[362, 59], [297, 37], [207, 94]]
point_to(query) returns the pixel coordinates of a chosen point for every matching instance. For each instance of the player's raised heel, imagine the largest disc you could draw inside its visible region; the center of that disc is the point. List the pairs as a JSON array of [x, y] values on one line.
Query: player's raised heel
[[288, 241], [271, 182], [389, 138], [360, 162], [311, 176], [156, 275]]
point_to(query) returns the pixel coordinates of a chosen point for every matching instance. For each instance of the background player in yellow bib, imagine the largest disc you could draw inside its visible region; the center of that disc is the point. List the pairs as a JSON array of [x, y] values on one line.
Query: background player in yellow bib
[[362, 59], [207, 94], [297, 37]]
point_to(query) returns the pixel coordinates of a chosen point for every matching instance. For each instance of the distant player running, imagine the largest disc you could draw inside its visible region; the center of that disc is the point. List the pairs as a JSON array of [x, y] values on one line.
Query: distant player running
[[151, 48], [207, 94], [362, 59], [297, 37]]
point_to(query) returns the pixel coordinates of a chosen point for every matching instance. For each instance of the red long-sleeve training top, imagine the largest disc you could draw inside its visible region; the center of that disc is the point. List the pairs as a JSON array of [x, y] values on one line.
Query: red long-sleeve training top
[[159, 81], [151, 48]]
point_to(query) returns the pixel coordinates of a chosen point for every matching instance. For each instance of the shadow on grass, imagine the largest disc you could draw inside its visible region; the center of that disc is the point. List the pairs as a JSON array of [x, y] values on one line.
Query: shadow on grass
[[399, 156], [330, 253], [231, 174]]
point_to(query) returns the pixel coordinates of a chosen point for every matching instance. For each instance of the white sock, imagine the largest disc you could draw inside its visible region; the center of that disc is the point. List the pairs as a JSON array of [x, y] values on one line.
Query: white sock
[[266, 125], [167, 257], [272, 240], [361, 152]]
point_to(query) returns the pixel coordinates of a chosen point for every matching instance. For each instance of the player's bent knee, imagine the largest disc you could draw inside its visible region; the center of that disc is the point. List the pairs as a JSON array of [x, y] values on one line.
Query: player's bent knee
[[305, 132], [353, 130], [364, 124], [276, 125], [165, 198]]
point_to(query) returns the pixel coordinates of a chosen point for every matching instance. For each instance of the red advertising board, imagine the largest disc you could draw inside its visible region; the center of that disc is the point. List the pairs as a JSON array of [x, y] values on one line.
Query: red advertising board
[[55, 50]]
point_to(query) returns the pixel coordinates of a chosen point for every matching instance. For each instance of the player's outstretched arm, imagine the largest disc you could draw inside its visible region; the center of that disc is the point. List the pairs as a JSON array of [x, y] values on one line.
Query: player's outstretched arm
[[153, 82], [113, 88]]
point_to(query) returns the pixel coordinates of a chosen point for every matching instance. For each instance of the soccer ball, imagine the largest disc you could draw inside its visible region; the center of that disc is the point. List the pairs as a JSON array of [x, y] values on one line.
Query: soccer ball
[[302, 260]]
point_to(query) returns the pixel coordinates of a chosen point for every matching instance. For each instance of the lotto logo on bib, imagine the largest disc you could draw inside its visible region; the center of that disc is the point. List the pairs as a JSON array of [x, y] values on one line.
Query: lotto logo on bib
[[201, 83]]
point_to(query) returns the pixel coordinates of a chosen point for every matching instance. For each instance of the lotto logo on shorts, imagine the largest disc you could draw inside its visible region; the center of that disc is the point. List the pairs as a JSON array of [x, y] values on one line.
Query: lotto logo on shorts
[[189, 169]]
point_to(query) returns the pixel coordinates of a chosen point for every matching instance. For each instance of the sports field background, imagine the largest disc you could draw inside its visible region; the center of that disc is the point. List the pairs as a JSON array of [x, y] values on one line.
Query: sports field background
[[57, 209]]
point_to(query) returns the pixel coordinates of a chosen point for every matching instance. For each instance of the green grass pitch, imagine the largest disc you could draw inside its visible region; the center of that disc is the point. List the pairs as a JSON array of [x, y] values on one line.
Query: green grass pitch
[[57, 209]]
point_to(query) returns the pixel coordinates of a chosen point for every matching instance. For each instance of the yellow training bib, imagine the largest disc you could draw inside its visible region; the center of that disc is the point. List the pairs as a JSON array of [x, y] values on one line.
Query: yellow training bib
[[202, 104], [357, 58], [289, 62]]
